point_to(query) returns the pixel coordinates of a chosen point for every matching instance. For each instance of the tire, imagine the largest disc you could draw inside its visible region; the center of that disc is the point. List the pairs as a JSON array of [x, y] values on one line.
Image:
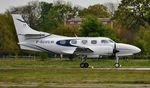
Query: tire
[[86, 65], [82, 65], [117, 65]]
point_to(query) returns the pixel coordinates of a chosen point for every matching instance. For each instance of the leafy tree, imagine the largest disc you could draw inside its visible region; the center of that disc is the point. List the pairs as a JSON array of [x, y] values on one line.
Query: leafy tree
[[133, 13], [143, 38], [91, 26], [97, 10], [8, 39], [53, 15], [67, 30], [45, 16]]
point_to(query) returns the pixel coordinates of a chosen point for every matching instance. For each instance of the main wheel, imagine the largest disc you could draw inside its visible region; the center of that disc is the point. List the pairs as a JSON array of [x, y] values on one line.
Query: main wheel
[[86, 65], [117, 65], [82, 65]]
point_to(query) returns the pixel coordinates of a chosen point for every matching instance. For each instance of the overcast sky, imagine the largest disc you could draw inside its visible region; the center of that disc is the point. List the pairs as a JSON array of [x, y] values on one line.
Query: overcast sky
[[6, 4]]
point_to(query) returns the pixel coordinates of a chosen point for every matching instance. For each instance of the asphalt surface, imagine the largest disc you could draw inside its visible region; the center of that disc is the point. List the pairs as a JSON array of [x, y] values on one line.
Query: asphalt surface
[[122, 68], [130, 68], [97, 85]]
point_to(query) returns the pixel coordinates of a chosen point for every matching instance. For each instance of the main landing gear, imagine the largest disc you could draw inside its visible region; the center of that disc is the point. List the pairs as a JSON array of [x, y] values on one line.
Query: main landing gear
[[84, 64], [117, 65]]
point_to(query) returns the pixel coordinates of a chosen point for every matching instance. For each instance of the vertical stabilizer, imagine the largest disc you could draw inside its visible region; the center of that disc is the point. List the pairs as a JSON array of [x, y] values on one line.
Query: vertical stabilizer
[[22, 27], [25, 33]]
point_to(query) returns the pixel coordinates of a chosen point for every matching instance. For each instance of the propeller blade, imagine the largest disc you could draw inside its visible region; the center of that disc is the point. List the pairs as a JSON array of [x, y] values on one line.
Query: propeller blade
[[115, 49]]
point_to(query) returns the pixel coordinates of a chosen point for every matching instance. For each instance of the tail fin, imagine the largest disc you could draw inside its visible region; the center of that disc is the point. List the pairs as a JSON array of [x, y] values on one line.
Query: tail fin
[[22, 27], [26, 35], [24, 32]]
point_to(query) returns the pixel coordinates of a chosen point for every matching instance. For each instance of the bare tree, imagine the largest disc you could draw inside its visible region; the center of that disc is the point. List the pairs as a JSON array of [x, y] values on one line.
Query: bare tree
[[31, 12]]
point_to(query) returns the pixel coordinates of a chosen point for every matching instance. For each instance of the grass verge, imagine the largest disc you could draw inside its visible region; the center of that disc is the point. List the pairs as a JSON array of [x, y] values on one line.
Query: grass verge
[[65, 71]]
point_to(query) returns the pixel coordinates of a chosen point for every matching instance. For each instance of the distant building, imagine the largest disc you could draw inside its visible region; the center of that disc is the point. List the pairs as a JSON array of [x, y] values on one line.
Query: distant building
[[78, 21], [73, 21]]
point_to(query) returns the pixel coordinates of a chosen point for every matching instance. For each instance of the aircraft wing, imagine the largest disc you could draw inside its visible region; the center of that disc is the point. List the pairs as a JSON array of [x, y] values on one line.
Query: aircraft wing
[[83, 50]]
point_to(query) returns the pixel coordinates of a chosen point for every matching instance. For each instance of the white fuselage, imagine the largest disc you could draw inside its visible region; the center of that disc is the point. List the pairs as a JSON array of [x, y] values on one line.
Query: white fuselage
[[68, 45]]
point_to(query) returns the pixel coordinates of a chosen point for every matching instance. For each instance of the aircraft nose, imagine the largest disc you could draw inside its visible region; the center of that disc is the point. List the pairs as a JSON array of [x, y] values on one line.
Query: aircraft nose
[[126, 48], [136, 49]]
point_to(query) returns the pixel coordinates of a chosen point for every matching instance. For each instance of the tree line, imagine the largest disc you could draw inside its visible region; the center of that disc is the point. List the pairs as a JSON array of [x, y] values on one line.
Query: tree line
[[131, 23]]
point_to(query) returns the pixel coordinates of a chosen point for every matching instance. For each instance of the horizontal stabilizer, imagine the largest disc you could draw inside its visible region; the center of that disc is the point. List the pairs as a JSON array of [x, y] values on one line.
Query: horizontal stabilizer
[[35, 36]]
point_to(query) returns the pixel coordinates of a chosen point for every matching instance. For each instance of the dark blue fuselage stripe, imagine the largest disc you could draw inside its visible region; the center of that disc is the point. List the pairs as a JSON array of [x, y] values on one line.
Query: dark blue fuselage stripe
[[66, 43]]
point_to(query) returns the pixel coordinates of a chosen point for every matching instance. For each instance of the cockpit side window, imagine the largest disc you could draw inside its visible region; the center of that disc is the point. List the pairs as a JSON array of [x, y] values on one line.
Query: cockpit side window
[[111, 41], [107, 41], [104, 41]]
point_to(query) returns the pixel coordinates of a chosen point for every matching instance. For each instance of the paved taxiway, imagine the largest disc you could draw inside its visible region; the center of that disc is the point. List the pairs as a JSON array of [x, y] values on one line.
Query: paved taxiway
[[122, 68], [97, 85], [98, 68]]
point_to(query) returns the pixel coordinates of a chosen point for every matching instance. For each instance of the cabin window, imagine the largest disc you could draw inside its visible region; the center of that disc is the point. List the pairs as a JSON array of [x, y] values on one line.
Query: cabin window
[[63, 42], [74, 41], [84, 41], [52, 41], [104, 41], [93, 42]]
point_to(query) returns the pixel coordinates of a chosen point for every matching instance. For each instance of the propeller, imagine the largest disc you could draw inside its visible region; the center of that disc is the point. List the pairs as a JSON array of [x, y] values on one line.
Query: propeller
[[115, 49]]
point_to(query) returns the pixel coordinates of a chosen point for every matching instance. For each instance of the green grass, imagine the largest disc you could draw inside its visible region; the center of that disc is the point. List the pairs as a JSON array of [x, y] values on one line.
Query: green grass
[[57, 63], [24, 71], [75, 75]]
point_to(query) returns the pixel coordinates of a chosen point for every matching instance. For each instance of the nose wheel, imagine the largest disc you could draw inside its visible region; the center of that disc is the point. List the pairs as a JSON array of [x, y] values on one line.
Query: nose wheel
[[117, 65], [84, 64]]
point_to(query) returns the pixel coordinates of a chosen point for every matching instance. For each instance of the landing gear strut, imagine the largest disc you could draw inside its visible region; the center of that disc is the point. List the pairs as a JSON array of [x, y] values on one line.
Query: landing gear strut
[[84, 64], [117, 65]]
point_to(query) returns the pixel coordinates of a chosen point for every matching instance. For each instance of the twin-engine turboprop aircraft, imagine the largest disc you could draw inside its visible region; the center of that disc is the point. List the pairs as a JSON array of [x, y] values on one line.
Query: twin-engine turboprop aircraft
[[30, 39]]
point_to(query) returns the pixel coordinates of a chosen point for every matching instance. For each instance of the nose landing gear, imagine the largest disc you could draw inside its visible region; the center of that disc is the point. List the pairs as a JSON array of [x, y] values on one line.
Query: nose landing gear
[[117, 65]]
